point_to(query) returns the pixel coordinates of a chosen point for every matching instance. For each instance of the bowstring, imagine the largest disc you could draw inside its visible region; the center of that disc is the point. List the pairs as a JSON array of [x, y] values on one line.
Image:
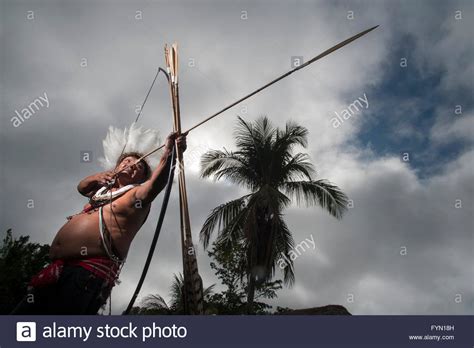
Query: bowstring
[[142, 106]]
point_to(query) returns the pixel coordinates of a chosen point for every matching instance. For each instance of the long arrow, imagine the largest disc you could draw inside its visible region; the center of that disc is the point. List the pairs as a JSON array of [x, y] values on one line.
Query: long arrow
[[311, 61]]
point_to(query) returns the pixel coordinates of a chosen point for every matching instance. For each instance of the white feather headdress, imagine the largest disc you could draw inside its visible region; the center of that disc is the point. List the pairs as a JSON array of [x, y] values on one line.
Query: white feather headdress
[[136, 140]]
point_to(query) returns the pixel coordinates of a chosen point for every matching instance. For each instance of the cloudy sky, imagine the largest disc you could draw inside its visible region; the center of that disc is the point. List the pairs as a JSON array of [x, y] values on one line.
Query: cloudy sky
[[406, 246]]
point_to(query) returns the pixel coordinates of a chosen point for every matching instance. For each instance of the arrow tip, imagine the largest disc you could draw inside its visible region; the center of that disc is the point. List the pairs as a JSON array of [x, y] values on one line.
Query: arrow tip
[[364, 32]]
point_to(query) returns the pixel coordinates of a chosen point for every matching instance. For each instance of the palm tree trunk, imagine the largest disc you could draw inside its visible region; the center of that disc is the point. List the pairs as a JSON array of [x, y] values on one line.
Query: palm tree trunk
[[264, 228], [250, 294]]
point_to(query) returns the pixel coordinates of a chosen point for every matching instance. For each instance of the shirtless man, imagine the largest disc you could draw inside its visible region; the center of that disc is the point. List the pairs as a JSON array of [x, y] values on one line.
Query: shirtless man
[[86, 258]]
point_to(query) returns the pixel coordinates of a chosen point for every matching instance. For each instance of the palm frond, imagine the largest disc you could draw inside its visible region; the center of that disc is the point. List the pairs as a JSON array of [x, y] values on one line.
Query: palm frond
[[296, 168], [176, 292], [155, 302], [214, 160], [246, 137], [244, 176], [232, 166], [233, 232], [208, 291], [321, 192], [220, 217], [264, 130], [283, 243], [293, 134]]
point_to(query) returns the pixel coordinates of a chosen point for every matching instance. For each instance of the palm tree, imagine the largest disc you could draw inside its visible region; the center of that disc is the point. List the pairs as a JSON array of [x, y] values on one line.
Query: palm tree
[[265, 164], [156, 304]]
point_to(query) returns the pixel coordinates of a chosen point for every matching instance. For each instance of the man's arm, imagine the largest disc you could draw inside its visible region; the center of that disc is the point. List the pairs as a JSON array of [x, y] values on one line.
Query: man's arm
[[148, 191], [88, 186]]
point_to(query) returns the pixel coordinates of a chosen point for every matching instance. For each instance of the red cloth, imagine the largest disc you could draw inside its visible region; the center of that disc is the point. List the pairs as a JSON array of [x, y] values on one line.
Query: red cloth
[[48, 275], [102, 267]]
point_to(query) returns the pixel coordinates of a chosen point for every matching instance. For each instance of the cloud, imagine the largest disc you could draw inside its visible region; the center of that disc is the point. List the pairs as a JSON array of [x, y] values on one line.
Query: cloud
[[394, 207], [456, 128], [403, 249]]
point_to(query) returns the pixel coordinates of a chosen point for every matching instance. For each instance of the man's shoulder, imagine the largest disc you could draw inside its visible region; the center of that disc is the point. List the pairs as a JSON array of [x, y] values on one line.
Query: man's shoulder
[[131, 194]]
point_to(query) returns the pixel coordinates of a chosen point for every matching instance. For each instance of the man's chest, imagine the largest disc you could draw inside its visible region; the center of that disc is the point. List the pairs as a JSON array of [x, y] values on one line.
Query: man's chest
[[126, 206]]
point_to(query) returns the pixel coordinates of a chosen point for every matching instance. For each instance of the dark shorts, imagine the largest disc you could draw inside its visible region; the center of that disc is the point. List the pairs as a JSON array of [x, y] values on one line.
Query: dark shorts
[[78, 291]]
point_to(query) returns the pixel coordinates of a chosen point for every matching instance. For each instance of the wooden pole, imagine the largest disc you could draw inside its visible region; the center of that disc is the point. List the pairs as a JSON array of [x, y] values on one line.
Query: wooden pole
[[193, 292]]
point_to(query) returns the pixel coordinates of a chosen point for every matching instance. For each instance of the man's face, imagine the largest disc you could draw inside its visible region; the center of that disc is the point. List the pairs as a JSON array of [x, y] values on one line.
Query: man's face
[[135, 173]]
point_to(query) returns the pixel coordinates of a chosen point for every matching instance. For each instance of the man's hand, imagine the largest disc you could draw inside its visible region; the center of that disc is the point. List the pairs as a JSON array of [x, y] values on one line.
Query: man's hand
[[148, 191], [88, 186], [180, 141], [104, 178]]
